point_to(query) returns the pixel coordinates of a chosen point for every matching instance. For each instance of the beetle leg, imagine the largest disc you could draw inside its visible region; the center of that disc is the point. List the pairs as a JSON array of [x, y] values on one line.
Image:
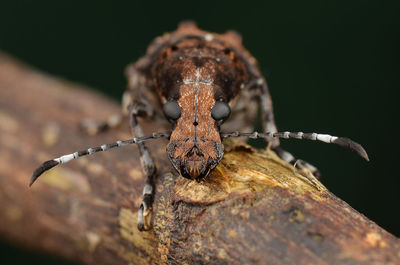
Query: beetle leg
[[137, 89], [149, 170], [268, 123], [139, 101], [243, 114], [298, 163], [267, 113]]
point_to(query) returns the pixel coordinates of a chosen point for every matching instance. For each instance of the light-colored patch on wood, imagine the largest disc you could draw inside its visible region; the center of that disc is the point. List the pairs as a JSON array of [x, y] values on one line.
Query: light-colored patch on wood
[[132, 257], [221, 253], [243, 171], [162, 217], [66, 179], [159, 188], [95, 168], [128, 230], [297, 216], [299, 181], [76, 212], [245, 215], [13, 213], [8, 123], [271, 217], [50, 134], [163, 250], [235, 211], [93, 240], [375, 240], [232, 234], [136, 174]]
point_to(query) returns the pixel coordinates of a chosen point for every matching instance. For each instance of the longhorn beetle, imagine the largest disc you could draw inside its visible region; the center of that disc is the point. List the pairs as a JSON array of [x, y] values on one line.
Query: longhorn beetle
[[199, 79]]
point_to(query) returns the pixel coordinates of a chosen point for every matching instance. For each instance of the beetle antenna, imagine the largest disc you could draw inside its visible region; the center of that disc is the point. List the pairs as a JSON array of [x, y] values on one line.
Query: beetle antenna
[[105, 147], [341, 141]]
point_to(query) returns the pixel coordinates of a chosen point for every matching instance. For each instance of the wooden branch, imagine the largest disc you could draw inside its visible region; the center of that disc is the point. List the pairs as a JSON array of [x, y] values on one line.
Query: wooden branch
[[253, 209]]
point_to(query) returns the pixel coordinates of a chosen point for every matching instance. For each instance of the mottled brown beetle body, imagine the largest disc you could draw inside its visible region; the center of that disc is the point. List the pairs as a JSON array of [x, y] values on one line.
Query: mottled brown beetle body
[[196, 69], [196, 80]]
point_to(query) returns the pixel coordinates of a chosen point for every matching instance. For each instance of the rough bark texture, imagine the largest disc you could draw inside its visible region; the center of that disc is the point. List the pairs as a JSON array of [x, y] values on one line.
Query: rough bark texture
[[253, 209]]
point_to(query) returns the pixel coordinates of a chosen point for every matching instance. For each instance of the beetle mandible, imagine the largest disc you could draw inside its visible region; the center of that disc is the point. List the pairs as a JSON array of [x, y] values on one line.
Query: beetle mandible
[[200, 80]]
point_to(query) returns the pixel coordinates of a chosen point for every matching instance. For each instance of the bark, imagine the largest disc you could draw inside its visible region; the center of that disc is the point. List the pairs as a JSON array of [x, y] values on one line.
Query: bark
[[253, 208]]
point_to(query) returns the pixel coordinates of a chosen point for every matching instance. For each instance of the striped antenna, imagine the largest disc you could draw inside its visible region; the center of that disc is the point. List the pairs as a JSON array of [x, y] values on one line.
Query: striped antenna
[[341, 141], [66, 158]]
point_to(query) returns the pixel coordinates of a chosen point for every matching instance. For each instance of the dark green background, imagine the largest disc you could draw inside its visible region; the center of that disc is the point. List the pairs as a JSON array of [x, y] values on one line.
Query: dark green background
[[332, 68]]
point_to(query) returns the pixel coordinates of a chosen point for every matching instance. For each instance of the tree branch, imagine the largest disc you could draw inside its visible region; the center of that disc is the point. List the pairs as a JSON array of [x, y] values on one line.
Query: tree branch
[[253, 208]]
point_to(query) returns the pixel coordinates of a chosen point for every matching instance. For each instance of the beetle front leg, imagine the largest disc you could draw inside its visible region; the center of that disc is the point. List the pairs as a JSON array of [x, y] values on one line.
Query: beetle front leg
[[268, 124], [149, 170], [267, 113]]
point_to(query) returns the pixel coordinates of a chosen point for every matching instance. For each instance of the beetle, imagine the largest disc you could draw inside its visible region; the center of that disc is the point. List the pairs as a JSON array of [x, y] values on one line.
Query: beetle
[[201, 82]]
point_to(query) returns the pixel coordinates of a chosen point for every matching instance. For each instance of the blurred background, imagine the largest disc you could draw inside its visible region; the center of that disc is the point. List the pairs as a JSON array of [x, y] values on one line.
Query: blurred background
[[332, 67]]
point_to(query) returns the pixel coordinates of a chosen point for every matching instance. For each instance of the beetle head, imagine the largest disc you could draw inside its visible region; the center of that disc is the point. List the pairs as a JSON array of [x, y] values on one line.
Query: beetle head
[[195, 146]]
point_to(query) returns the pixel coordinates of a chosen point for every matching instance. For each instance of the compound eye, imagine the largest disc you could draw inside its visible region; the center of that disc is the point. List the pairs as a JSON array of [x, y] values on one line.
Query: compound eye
[[220, 111], [172, 110]]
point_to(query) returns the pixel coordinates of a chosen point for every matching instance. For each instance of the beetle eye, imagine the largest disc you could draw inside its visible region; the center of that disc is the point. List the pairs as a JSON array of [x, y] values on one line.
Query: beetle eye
[[172, 110], [220, 111]]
